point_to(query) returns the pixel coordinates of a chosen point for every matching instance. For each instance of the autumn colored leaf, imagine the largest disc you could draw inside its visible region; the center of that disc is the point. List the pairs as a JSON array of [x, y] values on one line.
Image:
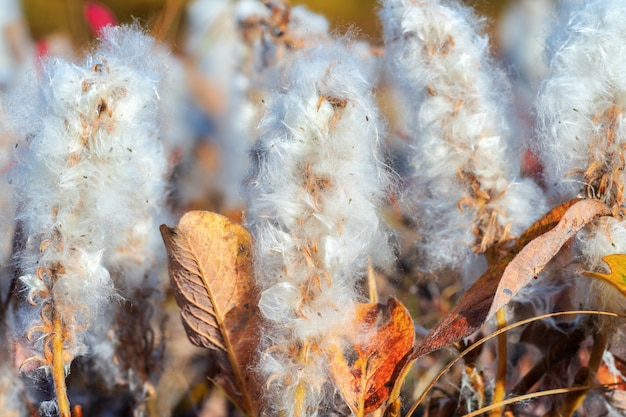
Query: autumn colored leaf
[[372, 357], [210, 268], [606, 375], [613, 374], [617, 276], [496, 287]]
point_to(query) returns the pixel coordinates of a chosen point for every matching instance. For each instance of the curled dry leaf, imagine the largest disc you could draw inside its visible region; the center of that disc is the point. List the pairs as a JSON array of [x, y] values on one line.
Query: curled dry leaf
[[372, 357], [617, 276], [531, 260], [496, 287], [210, 268]]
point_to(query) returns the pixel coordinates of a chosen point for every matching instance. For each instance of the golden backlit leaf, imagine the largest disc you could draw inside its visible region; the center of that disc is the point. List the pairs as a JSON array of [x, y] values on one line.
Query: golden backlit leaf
[[502, 281], [617, 276], [210, 268], [374, 353]]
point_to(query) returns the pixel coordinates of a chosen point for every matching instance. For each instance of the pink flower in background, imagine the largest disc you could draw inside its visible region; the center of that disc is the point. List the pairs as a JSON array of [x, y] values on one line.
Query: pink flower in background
[[41, 48], [98, 16]]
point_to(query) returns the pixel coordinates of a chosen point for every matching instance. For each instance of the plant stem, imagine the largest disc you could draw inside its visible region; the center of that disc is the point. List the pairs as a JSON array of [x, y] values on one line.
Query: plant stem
[[300, 396], [371, 281], [499, 390], [58, 365], [299, 410]]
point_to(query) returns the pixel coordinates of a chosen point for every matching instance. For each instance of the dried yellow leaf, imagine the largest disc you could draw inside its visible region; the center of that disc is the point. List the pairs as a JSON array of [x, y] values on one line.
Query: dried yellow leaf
[[210, 268]]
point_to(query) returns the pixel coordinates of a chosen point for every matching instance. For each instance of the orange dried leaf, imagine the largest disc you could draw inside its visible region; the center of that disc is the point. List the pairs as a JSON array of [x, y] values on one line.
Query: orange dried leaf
[[372, 357], [606, 375], [497, 286], [613, 374], [210, 268], [617, 276]]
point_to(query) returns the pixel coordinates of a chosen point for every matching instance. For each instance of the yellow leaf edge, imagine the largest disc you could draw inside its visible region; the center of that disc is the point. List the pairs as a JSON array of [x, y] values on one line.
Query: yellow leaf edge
[[617, 272]]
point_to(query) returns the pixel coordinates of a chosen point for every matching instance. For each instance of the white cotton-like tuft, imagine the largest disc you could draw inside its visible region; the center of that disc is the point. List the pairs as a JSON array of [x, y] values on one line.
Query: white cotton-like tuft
[[522, 203], [89, 180], [606, 237], [277, 302], [241, 48], [313, 197], [581, 137], [464, 190]]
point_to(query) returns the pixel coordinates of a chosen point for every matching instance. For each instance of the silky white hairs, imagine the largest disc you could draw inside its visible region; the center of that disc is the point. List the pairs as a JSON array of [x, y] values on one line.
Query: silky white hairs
[[580, 105], [313, 201], [581, 137], [465, 186], [88, 182]]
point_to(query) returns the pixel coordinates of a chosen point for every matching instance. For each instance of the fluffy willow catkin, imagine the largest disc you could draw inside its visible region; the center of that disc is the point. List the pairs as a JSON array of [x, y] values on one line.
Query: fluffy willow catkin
[[464, 187], [88, 181], [581, 136], [313, 201], [243, 47]]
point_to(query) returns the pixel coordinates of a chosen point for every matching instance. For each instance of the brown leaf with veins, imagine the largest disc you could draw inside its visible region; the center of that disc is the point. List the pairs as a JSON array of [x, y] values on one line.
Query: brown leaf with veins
[[210, 268], [496, 287], [369, 360]]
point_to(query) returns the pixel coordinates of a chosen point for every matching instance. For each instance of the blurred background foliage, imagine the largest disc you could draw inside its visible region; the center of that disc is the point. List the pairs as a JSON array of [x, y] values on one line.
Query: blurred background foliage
[[49, 17]]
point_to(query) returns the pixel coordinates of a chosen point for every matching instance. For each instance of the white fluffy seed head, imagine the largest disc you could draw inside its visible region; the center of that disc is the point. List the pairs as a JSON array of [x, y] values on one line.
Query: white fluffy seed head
[[291, 376], [98, 149], [581, 136], [91, 175], [243, 48], [581, 105], [464, 186], [319, 175], [607, 236], [313, 210]]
